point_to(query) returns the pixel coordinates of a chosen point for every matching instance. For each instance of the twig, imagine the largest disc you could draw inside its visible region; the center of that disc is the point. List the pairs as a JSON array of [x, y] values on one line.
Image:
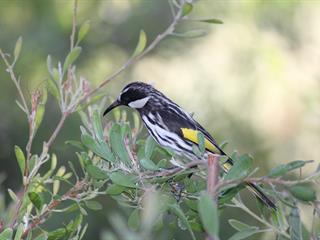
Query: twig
[[16, 82], [156, 41], [72, 193], [57, 129], [213, 175]]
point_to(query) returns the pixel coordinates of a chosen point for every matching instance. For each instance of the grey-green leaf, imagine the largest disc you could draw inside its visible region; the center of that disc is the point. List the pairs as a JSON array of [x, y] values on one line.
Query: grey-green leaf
[[195, 33], [244, 234], [20, 158], [72, 56], [208, 214], [175, 208], [84, 29], [201, 142], [284, 168], [141, 44], [240, 226], [99, 148], [149, 147], [118, 145], [123, 179], [17, 49], [148, 164], [241, 168], [93, 205], [134, 220], [19, 232], [303, 192], [6, 234], [97, 125], [295, 224], [96, 173], [115, 189]]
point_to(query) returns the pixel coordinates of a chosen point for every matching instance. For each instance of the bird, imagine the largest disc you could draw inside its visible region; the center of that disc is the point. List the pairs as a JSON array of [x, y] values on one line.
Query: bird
[[172, 127]]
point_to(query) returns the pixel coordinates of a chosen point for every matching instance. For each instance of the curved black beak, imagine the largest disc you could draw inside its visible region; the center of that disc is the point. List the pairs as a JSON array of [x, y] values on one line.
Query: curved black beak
[[113, 105]]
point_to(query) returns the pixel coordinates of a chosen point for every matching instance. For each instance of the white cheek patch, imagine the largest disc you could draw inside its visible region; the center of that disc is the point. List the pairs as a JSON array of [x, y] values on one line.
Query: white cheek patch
[[139, 103]]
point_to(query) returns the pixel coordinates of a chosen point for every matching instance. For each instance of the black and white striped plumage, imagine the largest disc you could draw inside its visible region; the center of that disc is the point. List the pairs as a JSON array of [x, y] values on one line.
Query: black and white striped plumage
[[170, 125]]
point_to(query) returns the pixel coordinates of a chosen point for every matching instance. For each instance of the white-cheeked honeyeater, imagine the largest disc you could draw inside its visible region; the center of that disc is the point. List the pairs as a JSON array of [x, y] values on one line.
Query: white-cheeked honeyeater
[[173, 127]]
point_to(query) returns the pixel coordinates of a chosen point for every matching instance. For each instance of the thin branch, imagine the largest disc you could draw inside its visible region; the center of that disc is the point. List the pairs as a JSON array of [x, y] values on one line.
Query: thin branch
[[16, 82], [133, 60], [74, 24], [57, 129], [213, 175]]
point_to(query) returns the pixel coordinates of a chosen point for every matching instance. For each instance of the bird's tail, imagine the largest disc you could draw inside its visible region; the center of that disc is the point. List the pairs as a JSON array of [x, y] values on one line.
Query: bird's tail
[[255, 189]]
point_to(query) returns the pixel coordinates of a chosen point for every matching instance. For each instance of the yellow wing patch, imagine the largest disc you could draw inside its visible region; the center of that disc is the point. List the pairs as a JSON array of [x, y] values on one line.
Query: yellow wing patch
[[192, 135]]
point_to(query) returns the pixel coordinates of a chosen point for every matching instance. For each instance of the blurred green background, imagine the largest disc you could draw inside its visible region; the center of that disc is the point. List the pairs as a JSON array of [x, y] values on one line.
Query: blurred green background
[[253, 81]]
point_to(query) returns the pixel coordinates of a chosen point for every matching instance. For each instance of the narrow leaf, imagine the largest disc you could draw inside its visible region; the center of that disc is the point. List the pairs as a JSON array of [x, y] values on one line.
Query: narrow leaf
[[244, 234], [175, 208], [123, 180], [93, 205], [240, 226], [141, 44], [115, 189], [196, 33], [97, 125], [20, 158], [17, 49], [35, 199], [284, 168], [96, 173], [241, 168], [118, 145], [211, 20], [148, 164], [295, 224], [6, 234], [72, 56], [303, 192], [186, 9], [208, 215], [134, 220], [84, 29], [149, 147], [12, 195], [99, 148], [19, 232], [201, 142]]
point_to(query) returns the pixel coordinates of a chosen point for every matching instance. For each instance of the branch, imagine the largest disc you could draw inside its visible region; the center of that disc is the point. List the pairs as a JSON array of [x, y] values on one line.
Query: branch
[[177, 17], [213, 175]]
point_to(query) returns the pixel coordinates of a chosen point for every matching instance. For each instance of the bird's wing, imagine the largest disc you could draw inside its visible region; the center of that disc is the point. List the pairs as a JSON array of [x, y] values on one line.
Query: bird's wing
[[187, 128]]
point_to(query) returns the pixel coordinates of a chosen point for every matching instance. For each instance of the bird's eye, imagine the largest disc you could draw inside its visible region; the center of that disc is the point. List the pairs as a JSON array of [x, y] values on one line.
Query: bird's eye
[[140, 103]]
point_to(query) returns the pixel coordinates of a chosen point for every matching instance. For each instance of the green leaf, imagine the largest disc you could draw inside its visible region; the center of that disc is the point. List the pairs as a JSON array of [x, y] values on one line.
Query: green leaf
[[284, 168], [39, 115], [211, 20], [295, 224], [134, 220], [84, 29], [241, 168], [303, 192], [97, 125], [99, 148], [57, 234], [20, 158], [35, 199], [240, 226], [141, 44], [42, 236], [196, 33], [123, 180], [208, 214], [201, 142], [6, 234], [118, 145], [186, 9], [75, 143], [93, 205], [148, 164], [115, 189], [72, 56], [96, 173], [175, 208], [53, 88], [19, 232], [17, 49], [149, 147], [244, 234]]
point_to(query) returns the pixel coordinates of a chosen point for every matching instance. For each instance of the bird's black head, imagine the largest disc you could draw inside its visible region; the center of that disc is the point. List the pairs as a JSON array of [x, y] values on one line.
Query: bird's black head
[[135, 95]]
